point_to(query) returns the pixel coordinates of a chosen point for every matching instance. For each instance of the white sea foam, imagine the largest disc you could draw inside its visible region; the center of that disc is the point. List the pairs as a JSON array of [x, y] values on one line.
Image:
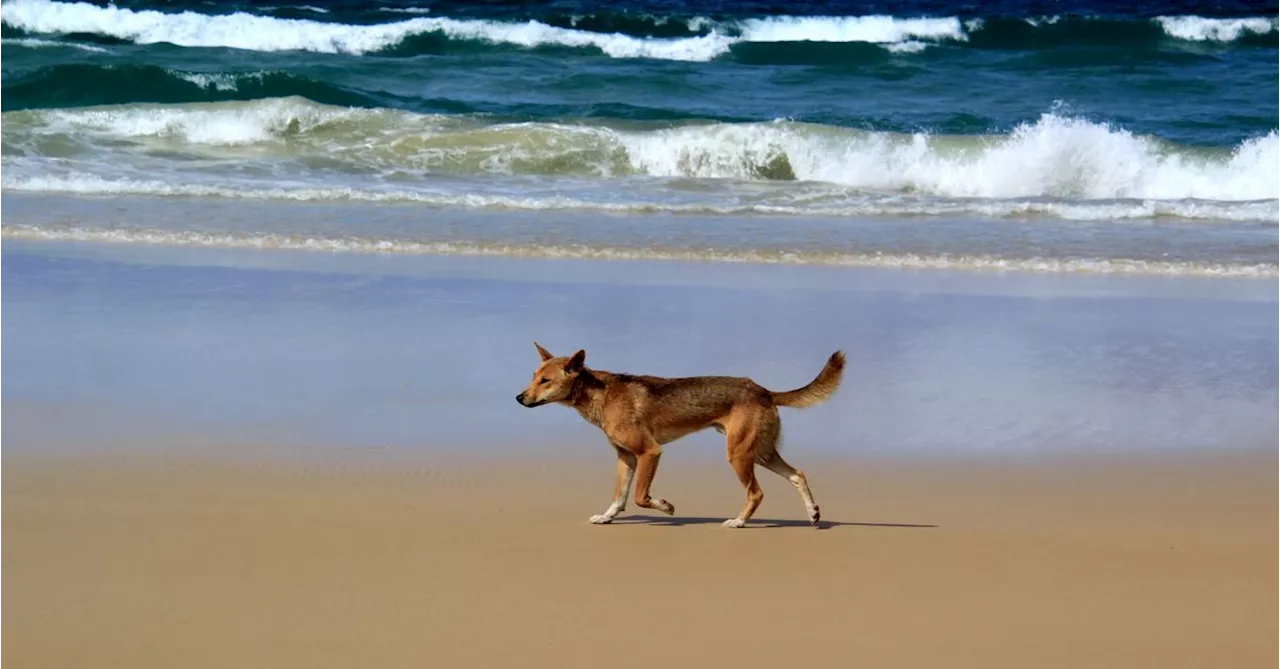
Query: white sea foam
[[699, 23], [238, 30], [601, 252], [215, 124], [1200, 29], [534, 33], [263, 33], [1047, 166], [37, 43], [1056, 156], [305, 8], [874, 29], [910, 46], [1044, 20], [783, 205], [220, 81], [1053, 157]]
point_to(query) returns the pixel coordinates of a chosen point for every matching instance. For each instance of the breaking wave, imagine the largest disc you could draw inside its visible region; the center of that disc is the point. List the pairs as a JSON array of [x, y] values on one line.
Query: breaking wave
[[1055, 157], [616, 35], [1200, 29]]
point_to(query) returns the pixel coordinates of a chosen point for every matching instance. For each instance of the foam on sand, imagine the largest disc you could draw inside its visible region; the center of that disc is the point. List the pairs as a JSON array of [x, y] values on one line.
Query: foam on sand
[[356, 244]]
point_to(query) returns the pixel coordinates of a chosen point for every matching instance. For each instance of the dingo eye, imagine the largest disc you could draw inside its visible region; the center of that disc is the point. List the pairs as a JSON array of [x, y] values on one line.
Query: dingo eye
[[543, 381]]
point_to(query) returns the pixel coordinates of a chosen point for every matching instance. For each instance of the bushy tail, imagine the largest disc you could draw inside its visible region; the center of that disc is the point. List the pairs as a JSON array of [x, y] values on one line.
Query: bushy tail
[[818, 390]]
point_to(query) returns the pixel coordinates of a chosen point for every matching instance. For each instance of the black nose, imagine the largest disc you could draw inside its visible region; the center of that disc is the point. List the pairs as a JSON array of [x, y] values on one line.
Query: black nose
[[520, 398]]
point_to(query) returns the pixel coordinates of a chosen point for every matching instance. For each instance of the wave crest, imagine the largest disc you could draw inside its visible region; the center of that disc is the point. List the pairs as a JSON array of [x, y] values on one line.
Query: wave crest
[[1053, 157], [239, 30], [1201, 29], [714, 39]]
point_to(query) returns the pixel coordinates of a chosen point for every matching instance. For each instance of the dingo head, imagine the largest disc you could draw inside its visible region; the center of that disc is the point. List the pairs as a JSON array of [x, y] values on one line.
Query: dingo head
[[554, 378]]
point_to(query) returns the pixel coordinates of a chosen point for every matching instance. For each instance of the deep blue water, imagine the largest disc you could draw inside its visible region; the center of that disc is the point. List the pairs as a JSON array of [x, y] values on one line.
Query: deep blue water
[[1198, 76]]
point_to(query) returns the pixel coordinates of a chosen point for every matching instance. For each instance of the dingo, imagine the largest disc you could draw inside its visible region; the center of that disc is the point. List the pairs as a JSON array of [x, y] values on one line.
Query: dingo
[[639, 414]]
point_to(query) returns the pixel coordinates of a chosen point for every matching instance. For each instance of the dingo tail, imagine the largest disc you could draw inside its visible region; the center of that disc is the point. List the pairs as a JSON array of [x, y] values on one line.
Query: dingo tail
[[818, 390]]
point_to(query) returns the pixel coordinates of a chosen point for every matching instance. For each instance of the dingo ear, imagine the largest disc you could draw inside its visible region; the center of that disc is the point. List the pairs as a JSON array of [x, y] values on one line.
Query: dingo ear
[[576, 362], [546, 355]]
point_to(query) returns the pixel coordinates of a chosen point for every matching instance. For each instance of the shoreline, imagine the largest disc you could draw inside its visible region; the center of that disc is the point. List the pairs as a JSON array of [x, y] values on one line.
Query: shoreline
[[664, 272], [1017, 246], [982, 264]]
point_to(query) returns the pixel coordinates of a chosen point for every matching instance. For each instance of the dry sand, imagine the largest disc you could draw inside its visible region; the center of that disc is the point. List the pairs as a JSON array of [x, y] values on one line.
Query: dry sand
[[230, 562]]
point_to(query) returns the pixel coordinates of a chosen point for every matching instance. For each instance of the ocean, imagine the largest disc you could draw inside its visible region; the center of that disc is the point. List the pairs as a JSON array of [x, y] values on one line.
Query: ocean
[[1071, 136]]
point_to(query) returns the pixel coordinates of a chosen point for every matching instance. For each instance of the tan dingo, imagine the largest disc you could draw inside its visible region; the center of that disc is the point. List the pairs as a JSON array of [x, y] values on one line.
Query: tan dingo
[[639, 414]]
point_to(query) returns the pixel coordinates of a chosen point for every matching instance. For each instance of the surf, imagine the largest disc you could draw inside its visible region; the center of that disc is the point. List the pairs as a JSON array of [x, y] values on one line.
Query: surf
[[695, 38], [1053, 156]]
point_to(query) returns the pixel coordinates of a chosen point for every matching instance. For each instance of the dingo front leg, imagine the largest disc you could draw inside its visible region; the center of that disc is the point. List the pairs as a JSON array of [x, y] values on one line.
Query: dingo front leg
[[621, 488], [648, 465]]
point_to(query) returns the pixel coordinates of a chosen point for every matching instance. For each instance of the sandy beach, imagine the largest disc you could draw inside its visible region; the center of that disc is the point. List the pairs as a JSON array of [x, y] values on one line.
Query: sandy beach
[[272, 275], [253, 459], [201, 563]]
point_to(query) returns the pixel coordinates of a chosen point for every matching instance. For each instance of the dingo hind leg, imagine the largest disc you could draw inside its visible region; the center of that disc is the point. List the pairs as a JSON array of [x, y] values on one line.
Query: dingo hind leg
[[750, 432], [774, 463]]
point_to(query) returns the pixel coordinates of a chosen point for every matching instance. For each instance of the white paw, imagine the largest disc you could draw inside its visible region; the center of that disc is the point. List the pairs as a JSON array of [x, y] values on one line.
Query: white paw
[[734, 522], [601, 519]]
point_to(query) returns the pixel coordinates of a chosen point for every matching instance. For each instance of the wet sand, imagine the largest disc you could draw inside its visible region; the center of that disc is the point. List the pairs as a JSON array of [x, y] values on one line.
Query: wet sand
[[248, 459], [115, 347]]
